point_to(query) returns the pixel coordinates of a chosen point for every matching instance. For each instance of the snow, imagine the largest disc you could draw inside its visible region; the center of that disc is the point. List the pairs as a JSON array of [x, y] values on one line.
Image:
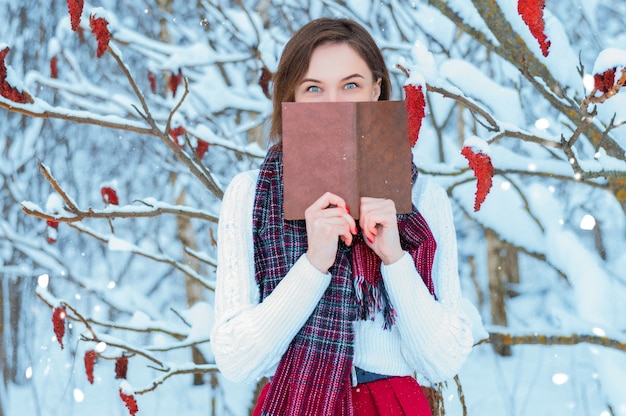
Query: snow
[[424, 67], [500, 101], [126, 387], [470, 16], [477, 145], [609, 58], [536, 203], [54, 47], [200, 317], [14, 80], [117, 244], [102, 13]]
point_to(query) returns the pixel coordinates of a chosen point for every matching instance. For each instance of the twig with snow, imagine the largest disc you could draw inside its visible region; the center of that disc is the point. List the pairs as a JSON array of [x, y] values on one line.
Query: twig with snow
[[49, 300], [149, 208], [119, 244], [474, 108]]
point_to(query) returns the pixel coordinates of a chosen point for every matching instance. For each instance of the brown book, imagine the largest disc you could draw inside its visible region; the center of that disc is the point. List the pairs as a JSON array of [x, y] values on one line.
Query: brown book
[[352, 149]]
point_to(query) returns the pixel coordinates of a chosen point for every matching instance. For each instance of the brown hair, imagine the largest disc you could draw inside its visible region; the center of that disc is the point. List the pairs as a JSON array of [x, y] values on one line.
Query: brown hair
[[296, 57]]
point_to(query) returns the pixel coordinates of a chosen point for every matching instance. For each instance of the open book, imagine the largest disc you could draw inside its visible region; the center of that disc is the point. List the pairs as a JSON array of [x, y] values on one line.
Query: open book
[[352, 149]]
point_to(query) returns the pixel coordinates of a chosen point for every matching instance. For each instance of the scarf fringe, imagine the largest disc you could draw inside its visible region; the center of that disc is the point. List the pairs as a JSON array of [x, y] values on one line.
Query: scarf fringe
[[371, 299]]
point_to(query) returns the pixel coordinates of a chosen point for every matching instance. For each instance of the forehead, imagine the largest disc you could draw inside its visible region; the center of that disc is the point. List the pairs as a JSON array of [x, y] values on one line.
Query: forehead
[[337, 58]]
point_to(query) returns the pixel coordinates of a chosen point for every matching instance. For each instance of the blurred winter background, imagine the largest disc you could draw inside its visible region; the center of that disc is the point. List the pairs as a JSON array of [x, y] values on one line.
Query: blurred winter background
[[112, 171]]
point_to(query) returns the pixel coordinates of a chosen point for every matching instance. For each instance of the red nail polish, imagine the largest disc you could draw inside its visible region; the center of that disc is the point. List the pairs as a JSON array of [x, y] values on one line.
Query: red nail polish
[[370, 240], [348, 209]]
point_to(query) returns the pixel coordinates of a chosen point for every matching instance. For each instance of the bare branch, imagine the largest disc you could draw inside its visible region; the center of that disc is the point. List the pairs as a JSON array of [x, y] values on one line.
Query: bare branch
[[55, 185], [132, 82], [571, 157], [541, 339], [177, 106], [459, 389], [530, 138], [201, 256], [117, 343], [179, 345], [188, 369]]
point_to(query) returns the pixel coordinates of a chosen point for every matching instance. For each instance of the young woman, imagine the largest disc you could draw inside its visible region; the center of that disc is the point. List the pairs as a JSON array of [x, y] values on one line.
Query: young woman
[[342, 315]]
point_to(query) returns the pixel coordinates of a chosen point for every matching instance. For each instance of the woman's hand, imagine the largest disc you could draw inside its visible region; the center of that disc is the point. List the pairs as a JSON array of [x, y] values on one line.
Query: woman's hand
[[379, 226], [327, 220]]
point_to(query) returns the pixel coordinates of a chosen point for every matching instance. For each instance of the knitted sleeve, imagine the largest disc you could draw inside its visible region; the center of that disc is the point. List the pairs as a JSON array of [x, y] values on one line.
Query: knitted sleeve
[[249, 338], [436, 334]]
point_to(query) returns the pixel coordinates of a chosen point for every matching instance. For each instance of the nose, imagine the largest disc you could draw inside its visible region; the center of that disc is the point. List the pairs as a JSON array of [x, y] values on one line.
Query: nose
[[337, 96]]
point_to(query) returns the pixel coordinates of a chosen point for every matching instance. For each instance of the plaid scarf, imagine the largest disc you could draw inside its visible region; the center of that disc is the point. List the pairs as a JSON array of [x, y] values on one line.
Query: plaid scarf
[[313, 376]]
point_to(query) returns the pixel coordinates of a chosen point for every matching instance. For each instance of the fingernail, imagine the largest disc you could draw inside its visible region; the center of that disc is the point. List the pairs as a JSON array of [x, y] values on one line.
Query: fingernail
[[370, 240], [348, 209], [355, 231]]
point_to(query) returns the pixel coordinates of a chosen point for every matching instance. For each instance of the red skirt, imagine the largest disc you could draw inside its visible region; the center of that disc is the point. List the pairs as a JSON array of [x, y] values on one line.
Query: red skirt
[[397, 396]]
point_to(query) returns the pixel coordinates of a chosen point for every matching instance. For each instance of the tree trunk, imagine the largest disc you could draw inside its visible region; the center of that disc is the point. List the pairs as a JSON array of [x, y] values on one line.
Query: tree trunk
[[510, 265], [497, 288], [11, 336], [193, 289], [3, 398], [3, 342], [186, 231]]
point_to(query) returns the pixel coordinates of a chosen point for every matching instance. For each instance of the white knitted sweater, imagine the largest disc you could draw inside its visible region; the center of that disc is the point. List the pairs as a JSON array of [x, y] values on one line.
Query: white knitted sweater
[[430, 339]]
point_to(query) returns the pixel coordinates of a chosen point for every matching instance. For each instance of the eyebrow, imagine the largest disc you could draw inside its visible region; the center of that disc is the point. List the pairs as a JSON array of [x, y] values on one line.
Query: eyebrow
[[355, 75]]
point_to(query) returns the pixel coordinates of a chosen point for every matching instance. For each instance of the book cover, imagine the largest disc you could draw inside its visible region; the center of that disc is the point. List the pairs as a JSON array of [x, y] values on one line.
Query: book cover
[[352, 149]]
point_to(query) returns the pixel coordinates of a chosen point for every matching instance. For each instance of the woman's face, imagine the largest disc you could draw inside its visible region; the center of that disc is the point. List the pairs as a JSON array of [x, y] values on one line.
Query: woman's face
[[337, 73]]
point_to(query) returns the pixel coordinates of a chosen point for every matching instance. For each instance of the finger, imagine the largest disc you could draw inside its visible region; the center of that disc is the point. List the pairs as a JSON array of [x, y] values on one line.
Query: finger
[[369, 232], [330, 205], [367, 219], [347, 239], [376, 213], [333, 226], [350, 222], [329, 199], [366, 227]]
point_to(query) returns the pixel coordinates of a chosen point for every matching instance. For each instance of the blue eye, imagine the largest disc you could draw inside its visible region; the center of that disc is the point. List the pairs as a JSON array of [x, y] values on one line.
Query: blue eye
[[350, 86], [314, 88]]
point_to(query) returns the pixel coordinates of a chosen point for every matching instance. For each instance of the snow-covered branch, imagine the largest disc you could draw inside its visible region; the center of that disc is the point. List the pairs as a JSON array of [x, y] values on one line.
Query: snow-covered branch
[[148, 208], [154, 327], [144, 209], [118, 244]]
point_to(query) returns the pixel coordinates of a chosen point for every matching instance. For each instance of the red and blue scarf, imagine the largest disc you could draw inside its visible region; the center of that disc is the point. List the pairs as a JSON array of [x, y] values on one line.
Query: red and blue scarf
[[313, 376]]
